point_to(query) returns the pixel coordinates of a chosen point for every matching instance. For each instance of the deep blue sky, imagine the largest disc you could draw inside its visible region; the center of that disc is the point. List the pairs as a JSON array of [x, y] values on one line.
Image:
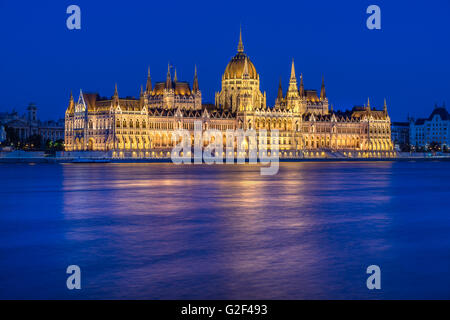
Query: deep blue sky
[[407, 61]]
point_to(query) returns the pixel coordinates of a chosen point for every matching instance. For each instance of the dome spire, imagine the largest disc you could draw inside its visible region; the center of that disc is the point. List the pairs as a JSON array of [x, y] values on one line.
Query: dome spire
[[240, 45]]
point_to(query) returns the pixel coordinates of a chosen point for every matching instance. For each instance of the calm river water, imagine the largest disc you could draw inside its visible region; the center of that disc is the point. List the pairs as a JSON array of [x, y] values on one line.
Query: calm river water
[[161, 231]]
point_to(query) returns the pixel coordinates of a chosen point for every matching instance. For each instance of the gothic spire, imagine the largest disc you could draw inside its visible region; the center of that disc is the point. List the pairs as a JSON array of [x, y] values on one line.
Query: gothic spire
[[302, 88], [293, 71], [280, 92], [116, 96], [292, 90], [148, 87], [240, 45], [116, 93], [195, 84], [168, 78], [368, 103], [175, 78], [71, 102], [322, 90]]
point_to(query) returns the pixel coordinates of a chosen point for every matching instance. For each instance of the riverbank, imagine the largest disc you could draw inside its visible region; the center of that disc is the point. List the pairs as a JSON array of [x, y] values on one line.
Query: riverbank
[[106, 157]]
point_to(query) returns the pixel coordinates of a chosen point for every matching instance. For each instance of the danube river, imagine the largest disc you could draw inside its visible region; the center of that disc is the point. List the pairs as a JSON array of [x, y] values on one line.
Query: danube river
[[161, 231]]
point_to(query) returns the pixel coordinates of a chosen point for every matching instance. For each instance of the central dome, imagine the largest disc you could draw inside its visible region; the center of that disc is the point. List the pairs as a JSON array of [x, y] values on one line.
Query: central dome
[[235, 68]]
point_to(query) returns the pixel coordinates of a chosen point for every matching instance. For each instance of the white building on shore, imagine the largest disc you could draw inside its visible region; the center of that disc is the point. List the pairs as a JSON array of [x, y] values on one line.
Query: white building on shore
[[432, 130]]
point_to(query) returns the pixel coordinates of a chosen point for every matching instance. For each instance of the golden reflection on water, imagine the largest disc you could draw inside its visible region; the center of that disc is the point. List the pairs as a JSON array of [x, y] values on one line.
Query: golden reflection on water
[[258, 236]]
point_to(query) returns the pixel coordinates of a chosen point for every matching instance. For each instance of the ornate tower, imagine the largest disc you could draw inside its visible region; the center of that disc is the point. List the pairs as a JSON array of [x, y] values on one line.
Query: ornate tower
[[279, 101], [196, 91], [148, 87], [32, 111], [240, 84], [168, 96], [292, 96]]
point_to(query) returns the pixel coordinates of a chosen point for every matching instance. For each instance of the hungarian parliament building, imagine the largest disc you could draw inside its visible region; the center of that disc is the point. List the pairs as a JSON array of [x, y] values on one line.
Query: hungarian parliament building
[[307, 125]]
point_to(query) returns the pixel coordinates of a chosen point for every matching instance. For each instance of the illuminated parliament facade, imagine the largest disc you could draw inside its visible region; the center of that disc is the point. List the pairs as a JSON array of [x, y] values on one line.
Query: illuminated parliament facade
[[308, 127]]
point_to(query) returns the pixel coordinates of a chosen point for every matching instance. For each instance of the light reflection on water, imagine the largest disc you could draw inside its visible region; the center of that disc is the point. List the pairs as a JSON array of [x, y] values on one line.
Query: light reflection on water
[[160, 231]]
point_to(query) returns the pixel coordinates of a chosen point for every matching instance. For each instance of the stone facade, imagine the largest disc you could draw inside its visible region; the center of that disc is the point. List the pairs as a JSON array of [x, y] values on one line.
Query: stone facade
[[435, 129], [144, 127]]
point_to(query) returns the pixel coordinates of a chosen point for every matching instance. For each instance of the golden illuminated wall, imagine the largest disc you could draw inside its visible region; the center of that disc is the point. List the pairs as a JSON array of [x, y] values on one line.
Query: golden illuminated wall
[[142, 132], [146, 125]]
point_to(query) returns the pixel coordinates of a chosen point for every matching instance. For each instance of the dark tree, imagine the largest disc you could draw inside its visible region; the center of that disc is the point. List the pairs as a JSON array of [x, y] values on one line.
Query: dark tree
[[11, 136], [34, 142]]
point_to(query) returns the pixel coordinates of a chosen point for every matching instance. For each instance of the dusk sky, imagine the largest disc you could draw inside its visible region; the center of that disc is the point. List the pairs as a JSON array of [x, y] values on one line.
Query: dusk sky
[[406, 62]]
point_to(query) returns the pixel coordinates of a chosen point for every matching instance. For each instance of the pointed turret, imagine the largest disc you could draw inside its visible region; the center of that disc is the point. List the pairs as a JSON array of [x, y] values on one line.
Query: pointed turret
[[280, 92], [142, 97], [168, 78], [293, 71], [322, 90], [368, 103], [115, 97], [148, 87], [195, 87], [116, 93], [240, 45], [302, 88], [71, 103], [292, 90], [385, 106], [175, 78]]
